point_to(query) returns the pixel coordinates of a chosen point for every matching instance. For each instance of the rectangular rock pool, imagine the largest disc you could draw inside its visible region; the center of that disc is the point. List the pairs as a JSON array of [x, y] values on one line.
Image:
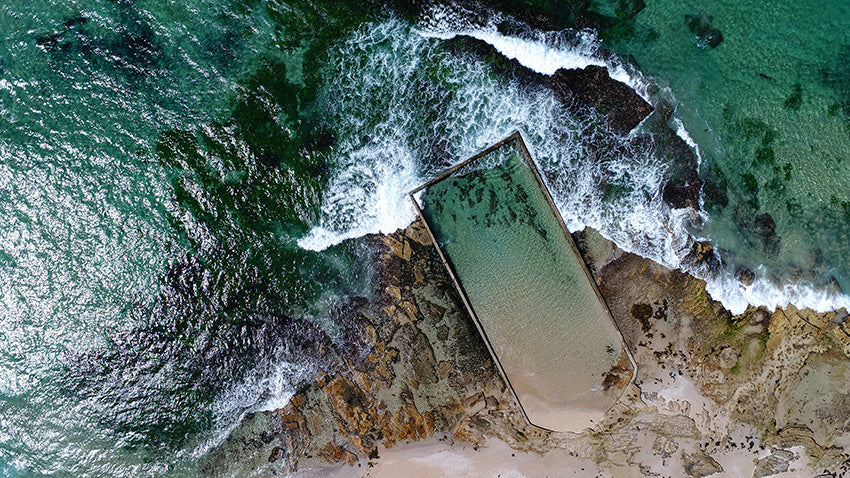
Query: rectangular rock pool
[[526, 287]]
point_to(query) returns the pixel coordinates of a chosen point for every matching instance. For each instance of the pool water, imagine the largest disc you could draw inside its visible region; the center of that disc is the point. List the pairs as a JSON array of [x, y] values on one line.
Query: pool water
[[528, 288]]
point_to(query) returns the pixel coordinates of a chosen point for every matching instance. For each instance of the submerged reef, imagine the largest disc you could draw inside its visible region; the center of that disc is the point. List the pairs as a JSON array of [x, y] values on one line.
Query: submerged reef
[[705, 35]]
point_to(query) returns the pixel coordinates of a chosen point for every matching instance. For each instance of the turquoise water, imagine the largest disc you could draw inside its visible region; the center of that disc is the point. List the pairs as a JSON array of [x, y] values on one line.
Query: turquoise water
[[529, 289], [151, 195], [769, 109], [177, 180]]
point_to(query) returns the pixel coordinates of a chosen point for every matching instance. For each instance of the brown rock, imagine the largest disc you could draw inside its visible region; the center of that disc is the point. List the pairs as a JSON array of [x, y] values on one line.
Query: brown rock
[[278, 453], [387, 430], [417, 232], [409, 423], [394, 292], [291, 418], [702, 254], [398, 246], [354, 409], [699, 465], [411, 310], [619, 375], [338, 454]]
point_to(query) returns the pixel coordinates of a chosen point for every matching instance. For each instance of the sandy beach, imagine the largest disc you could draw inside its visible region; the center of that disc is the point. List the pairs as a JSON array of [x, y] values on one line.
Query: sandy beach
[[442, 458]]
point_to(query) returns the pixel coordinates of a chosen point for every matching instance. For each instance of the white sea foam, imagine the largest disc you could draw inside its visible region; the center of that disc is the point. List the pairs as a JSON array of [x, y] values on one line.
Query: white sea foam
[[686, 137], [543, 52], [267, 388], [368, 195], [389, 114], [535, 55], [801, 294]]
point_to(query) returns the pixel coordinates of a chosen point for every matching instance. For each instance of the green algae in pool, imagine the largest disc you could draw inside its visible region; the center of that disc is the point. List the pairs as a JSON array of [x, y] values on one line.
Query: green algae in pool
[[527, 286]]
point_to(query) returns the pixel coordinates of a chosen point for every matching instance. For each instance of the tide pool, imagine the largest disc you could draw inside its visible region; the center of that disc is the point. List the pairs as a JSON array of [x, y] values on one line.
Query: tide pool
[[529, 289]]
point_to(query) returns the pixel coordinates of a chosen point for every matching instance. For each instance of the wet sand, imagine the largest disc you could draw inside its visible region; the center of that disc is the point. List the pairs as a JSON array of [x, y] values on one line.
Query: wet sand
[[439, 458]]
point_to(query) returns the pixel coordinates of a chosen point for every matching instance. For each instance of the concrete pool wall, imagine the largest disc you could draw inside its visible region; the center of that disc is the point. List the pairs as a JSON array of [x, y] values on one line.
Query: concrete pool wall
[[526, 287]]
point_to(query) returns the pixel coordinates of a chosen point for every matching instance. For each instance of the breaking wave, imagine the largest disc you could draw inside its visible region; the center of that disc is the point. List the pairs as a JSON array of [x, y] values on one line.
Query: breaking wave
[[406, 107], [268, 387]]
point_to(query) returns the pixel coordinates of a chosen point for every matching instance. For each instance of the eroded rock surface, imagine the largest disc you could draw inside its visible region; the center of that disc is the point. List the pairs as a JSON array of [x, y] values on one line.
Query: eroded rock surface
[[753, 395], [417, 366]]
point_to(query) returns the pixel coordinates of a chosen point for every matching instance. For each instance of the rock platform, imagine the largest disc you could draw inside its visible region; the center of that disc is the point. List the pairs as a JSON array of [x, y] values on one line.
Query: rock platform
[[755, 394]]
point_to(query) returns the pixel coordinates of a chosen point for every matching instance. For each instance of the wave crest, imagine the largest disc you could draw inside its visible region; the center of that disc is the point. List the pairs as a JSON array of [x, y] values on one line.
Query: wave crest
[[405, 108]]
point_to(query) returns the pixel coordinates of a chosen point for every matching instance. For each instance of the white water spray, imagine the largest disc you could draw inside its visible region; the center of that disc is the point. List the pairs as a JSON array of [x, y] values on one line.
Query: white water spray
[[389, 101]]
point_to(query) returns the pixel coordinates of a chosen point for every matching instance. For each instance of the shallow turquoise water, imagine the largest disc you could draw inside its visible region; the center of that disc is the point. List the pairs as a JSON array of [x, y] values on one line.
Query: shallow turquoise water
[[769, 109]]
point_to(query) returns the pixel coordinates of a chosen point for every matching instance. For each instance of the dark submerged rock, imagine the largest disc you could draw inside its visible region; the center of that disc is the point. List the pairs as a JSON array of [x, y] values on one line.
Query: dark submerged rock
[[683, 187], [714, 190], [765, 229], [73, 22], [684, 192], [48, 42], [700, 25], [744, 275], [131, 46], [593, 87], [835, 74], [795, 98]]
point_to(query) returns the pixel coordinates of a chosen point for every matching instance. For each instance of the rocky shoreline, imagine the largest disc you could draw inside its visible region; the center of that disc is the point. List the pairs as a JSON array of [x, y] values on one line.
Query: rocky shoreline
[[752, 395], [758, 394]]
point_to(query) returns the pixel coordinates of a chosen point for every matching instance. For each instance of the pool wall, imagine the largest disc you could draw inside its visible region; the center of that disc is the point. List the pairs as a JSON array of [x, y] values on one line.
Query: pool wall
[[515, 137]]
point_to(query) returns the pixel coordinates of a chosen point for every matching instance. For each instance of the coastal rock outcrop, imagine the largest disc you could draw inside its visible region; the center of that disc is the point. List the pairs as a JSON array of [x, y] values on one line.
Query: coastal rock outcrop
[[577, 89], [683, 187], [418, 368], [622, 110], [759, 393], [592, 87]]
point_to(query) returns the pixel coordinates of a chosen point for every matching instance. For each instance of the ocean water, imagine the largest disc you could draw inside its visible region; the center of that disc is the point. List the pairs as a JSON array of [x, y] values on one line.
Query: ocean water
[[769, 107], [178, 181]]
